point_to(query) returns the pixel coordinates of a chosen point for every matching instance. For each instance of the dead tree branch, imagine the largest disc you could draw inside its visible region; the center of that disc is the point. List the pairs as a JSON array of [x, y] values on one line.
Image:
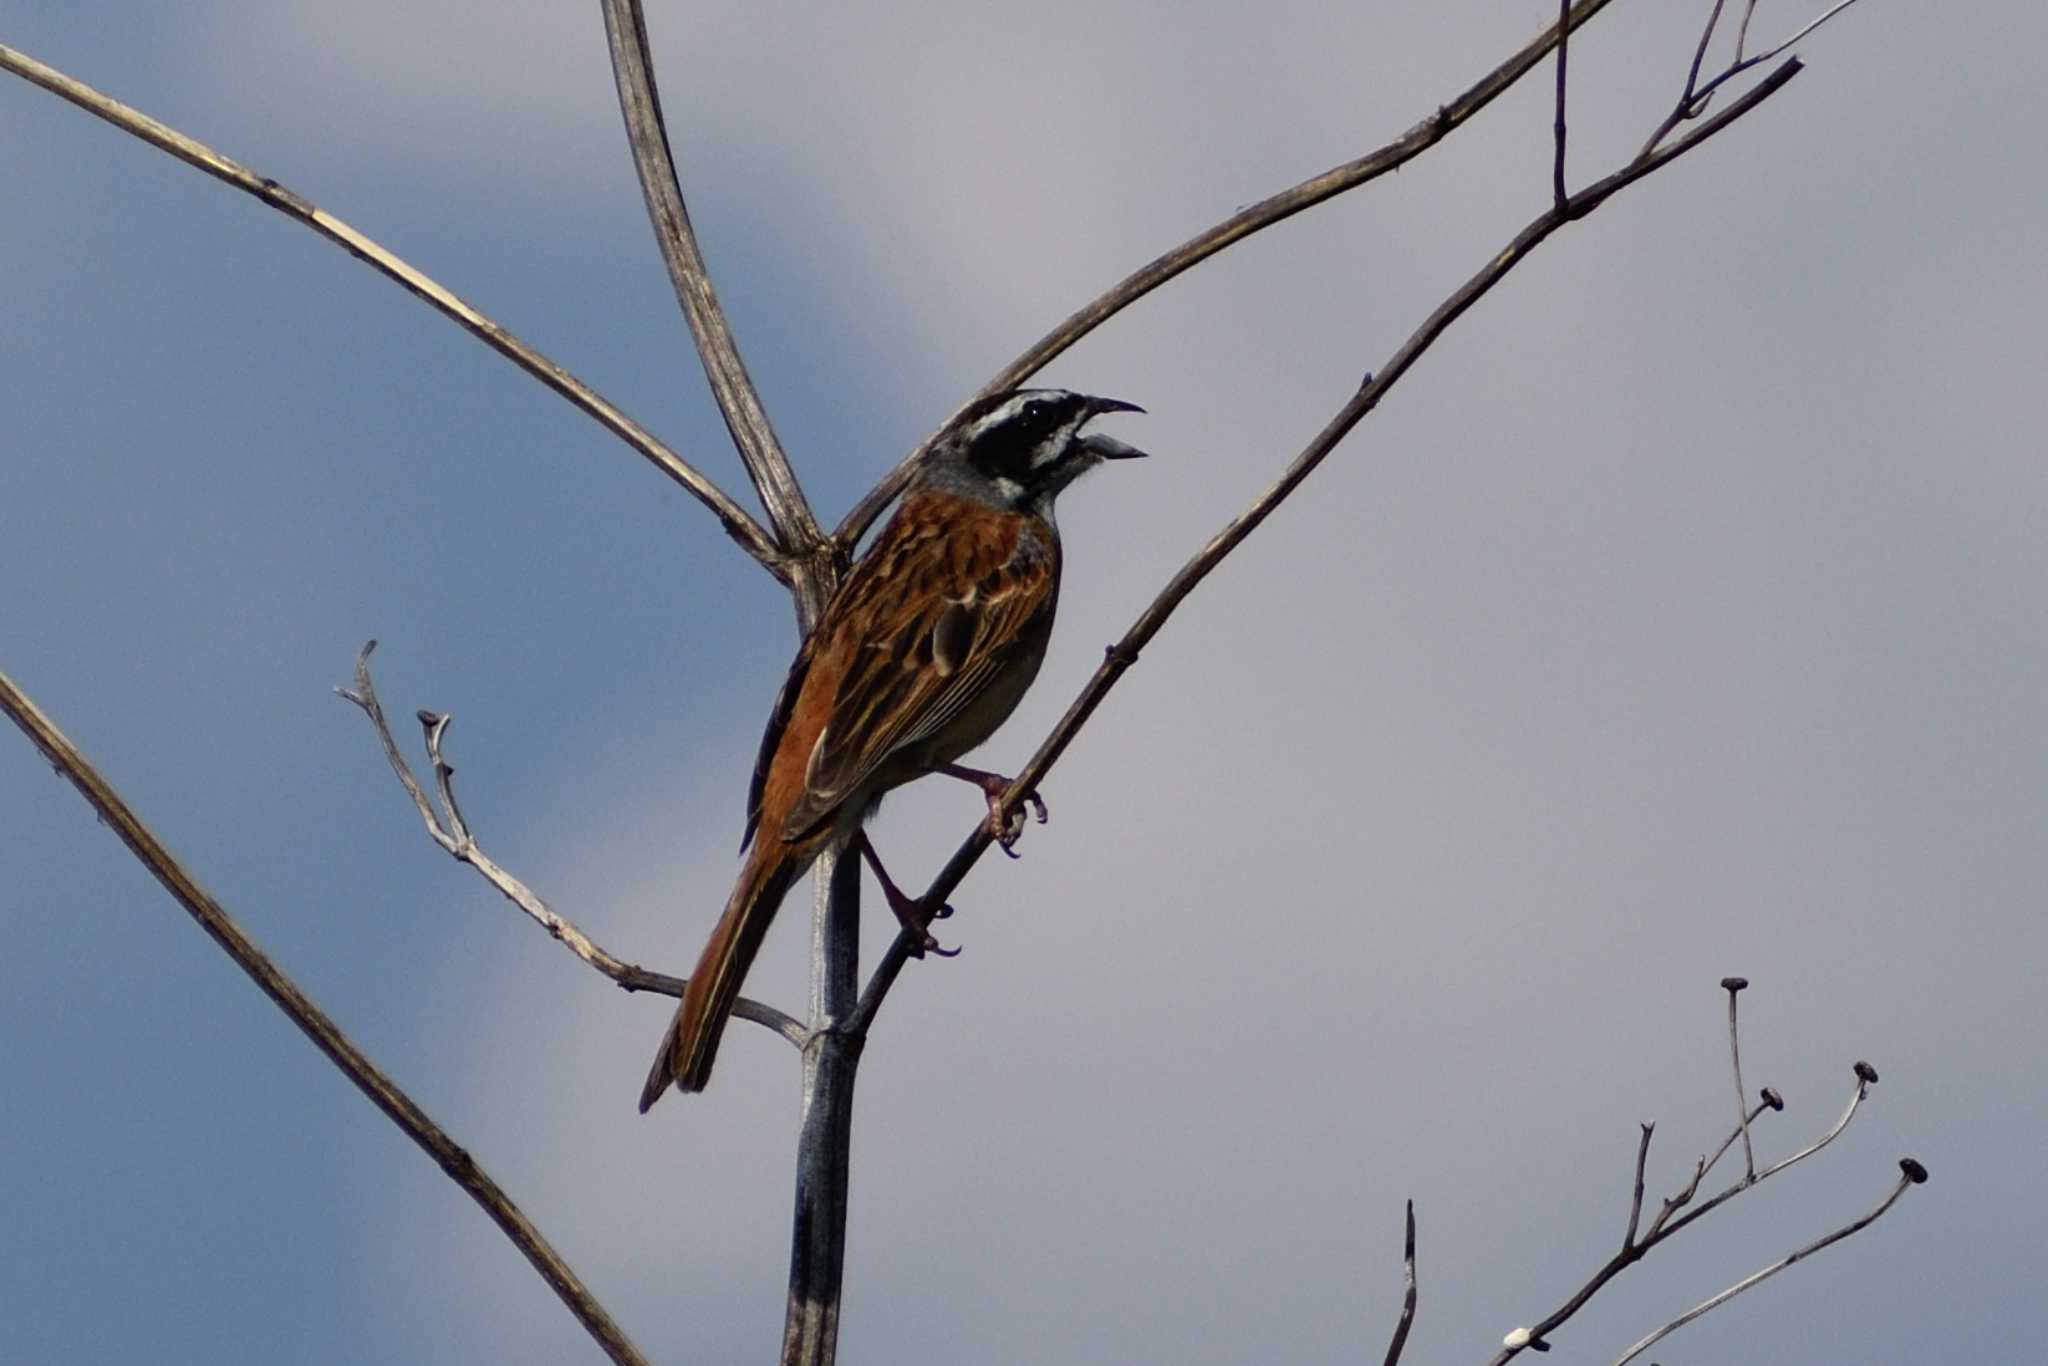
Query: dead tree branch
[[767, 464], [737, 522], [384, 1093], [1120, 656], [447, 828], [1664, 1227], [1234, 229]]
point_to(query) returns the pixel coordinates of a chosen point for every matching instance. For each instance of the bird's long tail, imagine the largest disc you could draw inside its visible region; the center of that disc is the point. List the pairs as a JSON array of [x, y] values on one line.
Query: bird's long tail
[[691, 1044]]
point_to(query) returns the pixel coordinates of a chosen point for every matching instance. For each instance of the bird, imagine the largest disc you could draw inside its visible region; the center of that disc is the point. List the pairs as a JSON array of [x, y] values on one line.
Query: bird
[[924, 650]]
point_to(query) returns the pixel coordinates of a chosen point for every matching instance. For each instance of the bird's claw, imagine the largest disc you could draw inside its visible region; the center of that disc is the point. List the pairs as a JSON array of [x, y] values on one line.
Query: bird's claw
[[1007, 828]]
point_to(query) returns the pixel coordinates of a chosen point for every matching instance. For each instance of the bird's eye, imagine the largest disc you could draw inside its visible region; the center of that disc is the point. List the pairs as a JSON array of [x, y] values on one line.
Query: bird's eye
[[1034, 412]]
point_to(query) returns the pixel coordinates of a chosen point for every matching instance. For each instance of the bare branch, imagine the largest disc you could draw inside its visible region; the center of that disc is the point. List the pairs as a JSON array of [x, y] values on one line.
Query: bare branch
[[1231, 230], [1407, 1319], [1734, 987], [1635, 1205], [1865, 1079], [1120, 656], [451, 832], [735, 519], [767, 464], [315, 1024], [1911, 1173], [1692, 101], [1564, 15]]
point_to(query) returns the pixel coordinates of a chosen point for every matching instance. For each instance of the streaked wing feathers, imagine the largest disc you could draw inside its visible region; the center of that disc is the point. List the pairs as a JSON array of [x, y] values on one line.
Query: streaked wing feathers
[[938, 603]]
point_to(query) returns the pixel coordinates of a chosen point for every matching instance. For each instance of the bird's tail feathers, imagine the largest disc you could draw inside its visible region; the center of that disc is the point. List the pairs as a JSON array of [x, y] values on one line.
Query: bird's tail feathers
[[691, 1044]]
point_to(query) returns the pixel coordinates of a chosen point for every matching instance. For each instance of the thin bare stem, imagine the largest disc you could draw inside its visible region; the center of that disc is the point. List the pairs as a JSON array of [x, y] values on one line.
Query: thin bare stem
[[1407, 1319], [384, 1093], [1207, 243], [1734, 986], [447, 828], [1557, 190], [767, 464], [1911, 1173], [1635, 1206], [1120, 656], [1692, 101], [1692, 74], [1742, 30], [735, 519]]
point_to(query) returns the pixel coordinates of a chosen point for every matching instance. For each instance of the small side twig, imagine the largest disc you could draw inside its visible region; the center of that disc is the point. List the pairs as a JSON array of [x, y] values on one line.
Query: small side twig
[[1734, 987], [1635, 1204], [448, 829], [1407, 1319], [1911, 1173], [342, 1051], [1557, 190], [735, 519]]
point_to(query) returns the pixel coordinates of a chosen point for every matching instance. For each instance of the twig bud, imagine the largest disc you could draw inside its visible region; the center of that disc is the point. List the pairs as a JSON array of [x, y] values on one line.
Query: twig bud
[[1865, 1073], [1913, 1170], [1773, 1099], [1733, 984]]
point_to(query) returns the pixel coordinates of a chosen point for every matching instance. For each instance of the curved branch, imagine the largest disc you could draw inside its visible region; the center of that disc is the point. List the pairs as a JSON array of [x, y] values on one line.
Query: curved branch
[[625, 27], [326, 1036], [1123, 654], [448, 829], [737, 523], [1233, 229], [1911, 1173]]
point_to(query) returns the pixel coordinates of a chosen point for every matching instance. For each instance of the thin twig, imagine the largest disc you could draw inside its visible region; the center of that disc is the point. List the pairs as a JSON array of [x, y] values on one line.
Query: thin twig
[[1665, 1226], [1557, 191], [1231, 230], [384, 1093], [1742, 30], [1911, 1173], [1120, 656], [1407, 1319], [735, 519], [448, 829], [1693, 101], [767, 464], [1635, 1206], [1734, 987]]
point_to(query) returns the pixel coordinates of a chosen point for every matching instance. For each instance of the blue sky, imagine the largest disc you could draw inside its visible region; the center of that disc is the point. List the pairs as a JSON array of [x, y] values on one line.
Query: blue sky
[[1679, 616]]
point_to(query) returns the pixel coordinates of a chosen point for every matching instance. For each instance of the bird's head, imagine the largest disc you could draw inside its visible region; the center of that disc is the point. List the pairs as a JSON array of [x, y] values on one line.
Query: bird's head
[[1019, 449]]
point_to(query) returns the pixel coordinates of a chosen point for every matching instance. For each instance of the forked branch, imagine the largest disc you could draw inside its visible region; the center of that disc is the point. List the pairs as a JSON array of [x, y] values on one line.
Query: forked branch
[[447, 828], [640, 102], [735, 519]]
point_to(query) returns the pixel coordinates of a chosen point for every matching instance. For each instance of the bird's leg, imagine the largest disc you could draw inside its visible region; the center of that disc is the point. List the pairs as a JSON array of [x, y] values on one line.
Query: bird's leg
[[994, 785], [909, 910]]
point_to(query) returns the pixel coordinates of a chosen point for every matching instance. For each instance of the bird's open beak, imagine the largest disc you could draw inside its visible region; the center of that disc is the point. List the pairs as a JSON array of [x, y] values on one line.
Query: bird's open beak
[[1108, 447]]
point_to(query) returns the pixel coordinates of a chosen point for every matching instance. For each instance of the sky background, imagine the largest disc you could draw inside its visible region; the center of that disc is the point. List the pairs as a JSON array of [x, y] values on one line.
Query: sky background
[[1679, 616]]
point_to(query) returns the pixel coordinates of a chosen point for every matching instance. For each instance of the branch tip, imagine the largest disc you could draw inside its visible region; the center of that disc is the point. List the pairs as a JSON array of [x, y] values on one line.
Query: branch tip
[[1865, 1073], [1915, 1173]]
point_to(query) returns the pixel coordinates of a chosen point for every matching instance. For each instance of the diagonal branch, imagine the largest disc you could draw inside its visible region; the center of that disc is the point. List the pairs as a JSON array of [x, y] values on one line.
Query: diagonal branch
[[1911, 1173], [448, 829], [325, 1034], [1399, 1343], [1124, 653], [735, 519], [1231, 230], [767, 465]]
